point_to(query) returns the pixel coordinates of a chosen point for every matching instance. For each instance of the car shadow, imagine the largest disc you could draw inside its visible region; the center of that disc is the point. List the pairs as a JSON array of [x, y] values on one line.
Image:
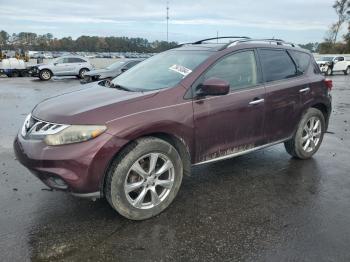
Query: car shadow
[[242, 200]]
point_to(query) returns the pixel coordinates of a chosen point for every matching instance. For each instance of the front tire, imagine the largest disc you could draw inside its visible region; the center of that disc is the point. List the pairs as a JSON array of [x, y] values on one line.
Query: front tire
[[144, 179], [309, 135], [329, 71], [347, 71], [45, 75]]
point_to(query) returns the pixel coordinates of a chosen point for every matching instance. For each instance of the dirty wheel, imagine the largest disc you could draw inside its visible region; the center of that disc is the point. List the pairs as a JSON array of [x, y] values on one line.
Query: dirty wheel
[[309, 135], [347, 71], [82, 72], [45, 75], [144, 179]]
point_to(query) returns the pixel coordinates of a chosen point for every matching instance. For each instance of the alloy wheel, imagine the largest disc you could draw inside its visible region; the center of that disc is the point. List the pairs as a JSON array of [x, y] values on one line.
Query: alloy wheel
[[149, 180], [311, 134], [46, 75]]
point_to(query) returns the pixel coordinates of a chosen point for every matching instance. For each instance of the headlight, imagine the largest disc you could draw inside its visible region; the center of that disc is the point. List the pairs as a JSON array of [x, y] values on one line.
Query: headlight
[[74, 134]]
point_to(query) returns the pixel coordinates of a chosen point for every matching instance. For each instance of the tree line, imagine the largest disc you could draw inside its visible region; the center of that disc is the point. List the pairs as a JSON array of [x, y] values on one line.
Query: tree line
[[331, 43], [46, 42]]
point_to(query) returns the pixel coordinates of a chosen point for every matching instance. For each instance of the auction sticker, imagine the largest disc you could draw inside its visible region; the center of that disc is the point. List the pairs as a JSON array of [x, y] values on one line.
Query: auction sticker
[[180, 69]]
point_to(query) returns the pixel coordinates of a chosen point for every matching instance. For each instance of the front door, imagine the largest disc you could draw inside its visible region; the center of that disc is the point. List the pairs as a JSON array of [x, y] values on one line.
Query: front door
[[232, 123], [62, 67]]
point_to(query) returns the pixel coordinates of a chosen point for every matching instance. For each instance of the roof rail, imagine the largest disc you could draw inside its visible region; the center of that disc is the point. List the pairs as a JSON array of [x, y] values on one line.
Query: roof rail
[[217, 38], [269, 40]]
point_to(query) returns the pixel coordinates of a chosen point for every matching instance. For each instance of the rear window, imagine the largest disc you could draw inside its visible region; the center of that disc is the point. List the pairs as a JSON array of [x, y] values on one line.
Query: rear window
[[302, 59], [276, 64], [75, 60]]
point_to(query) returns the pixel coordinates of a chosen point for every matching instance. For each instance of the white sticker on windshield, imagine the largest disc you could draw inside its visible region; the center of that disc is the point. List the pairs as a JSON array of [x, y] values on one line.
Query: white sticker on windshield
[[180, 69]]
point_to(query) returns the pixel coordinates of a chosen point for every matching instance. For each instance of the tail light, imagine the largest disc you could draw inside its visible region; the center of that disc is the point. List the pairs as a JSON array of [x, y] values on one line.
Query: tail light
[[329, 84]]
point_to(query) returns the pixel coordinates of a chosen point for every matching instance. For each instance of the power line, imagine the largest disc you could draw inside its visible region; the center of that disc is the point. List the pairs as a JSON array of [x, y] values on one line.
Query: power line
[[167, 21]]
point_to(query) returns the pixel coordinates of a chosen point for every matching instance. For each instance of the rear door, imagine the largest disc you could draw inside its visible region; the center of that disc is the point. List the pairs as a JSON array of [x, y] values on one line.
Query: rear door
[[284, 83], [231, 123], [76, 64]]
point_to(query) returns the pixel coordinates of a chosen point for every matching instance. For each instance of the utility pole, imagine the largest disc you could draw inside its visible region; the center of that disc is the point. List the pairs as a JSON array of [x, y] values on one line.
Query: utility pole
[[167, 21]]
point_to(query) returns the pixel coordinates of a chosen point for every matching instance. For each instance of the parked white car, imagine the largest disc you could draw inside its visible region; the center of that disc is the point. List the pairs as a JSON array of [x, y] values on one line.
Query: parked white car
[[330, 64], [62, 66]]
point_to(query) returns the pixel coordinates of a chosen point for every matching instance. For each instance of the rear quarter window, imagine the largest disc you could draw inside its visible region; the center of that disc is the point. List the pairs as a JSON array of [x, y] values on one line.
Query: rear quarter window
[[302, 60], [276, 64], [76, 60]]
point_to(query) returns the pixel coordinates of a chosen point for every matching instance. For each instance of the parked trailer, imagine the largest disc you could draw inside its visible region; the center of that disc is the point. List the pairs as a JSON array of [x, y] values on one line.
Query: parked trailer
[[13, 67]]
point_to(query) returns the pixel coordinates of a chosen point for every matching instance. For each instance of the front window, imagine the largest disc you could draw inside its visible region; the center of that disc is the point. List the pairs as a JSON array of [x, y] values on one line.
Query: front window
[[239, 70], [164, 70]]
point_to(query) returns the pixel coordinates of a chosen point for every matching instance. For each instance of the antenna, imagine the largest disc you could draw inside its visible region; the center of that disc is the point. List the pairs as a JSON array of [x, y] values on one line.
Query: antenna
[[167, 21]]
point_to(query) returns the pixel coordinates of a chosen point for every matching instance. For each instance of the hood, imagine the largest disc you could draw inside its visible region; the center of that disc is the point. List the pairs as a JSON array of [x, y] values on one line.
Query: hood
[[92, 105], [37, 65], [98, 72]]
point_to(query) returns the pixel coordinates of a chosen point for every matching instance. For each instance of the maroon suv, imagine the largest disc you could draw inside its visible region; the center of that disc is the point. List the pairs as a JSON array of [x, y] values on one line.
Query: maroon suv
[[198, 103]]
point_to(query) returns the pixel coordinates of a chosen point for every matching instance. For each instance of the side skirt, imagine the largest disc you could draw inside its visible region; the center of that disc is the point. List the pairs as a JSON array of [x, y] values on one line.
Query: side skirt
[[241, 152]]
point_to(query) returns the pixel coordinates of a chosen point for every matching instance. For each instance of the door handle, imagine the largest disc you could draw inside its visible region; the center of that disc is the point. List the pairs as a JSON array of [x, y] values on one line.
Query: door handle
[[304, 90], [257, 101]]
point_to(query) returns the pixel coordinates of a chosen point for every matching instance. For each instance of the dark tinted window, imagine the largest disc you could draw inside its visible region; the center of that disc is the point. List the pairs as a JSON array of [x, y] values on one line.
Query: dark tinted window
[[340, 58], [238, 69], [131, 64], [302, 59], [75, 60], [276, 64]]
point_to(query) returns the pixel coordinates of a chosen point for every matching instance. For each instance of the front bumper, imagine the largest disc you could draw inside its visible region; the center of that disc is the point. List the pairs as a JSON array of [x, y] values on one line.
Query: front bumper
[[76, 168], [33, 71], [323, 67]]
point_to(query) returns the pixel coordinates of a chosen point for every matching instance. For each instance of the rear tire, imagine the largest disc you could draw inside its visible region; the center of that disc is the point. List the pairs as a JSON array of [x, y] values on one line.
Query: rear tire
[[82, 72], [309, 135], [135, 189], [347, 71], [45, 75]]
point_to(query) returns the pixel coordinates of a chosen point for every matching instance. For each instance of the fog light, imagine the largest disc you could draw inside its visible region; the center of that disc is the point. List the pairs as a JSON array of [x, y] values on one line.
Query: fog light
[[57, 182]]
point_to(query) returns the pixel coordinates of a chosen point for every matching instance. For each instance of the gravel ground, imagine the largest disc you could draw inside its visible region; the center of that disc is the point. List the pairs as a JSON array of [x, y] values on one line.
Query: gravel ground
[[264, 206]]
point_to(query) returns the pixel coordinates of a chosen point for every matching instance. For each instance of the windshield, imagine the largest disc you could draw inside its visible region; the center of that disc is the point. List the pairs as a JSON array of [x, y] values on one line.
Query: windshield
[[116, 65], [161, 71], [326, 58]]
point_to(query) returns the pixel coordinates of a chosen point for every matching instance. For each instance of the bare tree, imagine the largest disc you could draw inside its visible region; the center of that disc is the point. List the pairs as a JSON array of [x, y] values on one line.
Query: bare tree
[[341, 7]]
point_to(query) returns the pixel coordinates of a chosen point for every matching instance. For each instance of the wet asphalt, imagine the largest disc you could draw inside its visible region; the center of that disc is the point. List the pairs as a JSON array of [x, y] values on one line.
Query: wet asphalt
[[264, 206]]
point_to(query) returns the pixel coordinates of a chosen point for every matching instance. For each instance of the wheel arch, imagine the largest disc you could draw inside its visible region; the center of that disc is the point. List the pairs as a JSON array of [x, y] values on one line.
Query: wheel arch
[[48, 69], [178, 143], [84, 68], [325, 111]]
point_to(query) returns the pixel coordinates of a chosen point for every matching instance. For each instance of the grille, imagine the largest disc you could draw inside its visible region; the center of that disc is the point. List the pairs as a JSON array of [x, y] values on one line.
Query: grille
[[35, 128]]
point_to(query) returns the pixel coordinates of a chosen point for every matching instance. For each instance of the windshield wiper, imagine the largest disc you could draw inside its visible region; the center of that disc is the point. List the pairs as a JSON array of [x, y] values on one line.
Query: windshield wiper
[[120, 87]]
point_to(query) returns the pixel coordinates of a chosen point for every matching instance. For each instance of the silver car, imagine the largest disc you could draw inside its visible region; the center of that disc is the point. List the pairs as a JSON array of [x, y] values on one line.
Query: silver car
[[62, 66], [110, 71]]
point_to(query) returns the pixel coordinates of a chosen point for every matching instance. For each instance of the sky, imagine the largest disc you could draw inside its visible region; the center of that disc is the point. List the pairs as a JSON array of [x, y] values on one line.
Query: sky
[[299, 21]]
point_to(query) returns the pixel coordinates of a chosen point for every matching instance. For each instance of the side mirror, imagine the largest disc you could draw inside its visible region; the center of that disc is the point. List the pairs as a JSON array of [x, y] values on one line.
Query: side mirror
[[213, 87], [105, 82], [124, 69]]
